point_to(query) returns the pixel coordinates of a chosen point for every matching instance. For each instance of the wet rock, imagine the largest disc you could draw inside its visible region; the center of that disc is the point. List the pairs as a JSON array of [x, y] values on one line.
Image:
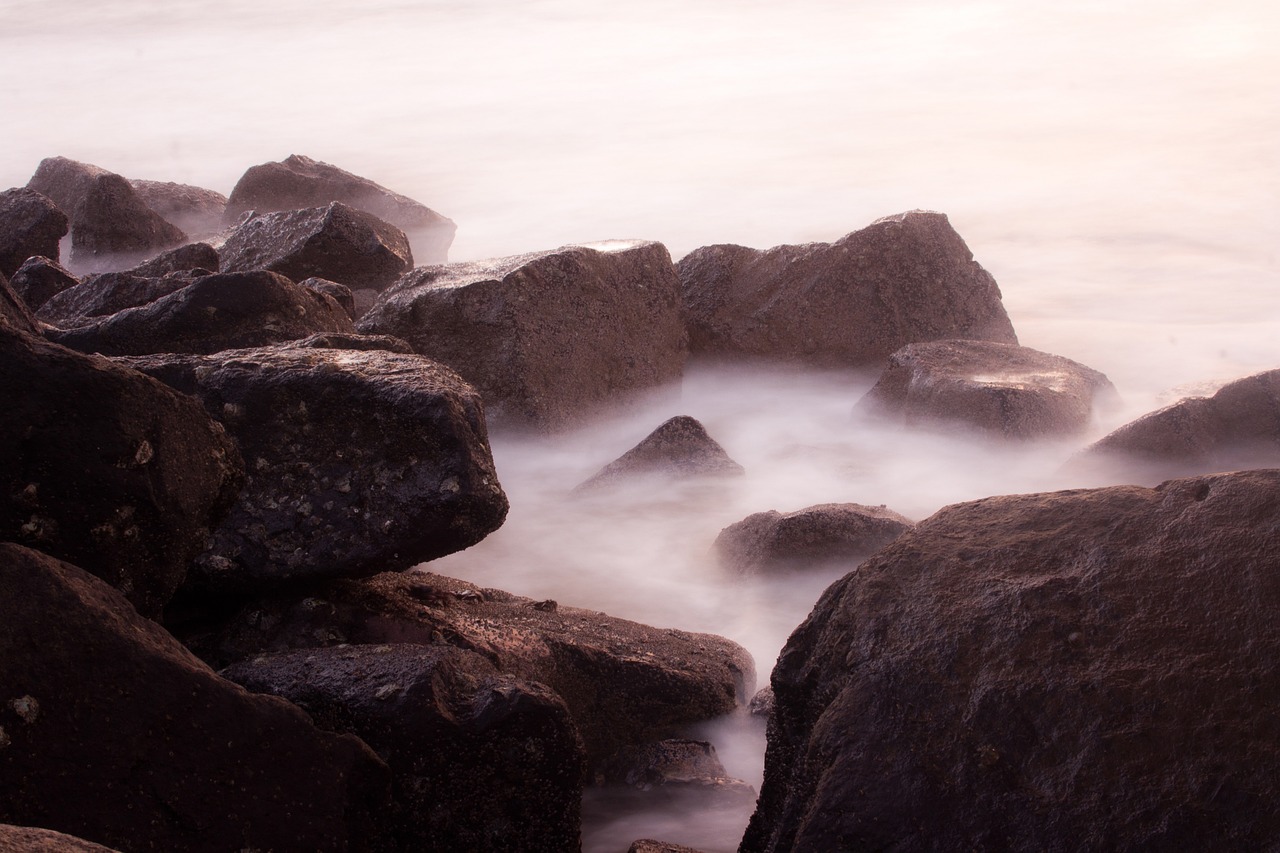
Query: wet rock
[[670, 765], [819, 534], [192, 257], [28, 839], [340, 293], [352, 341], [299, 182], [196, 210], [649, 845], [30, 224], [108, 468], [680, 447], [480, 761], [14, 313], [762, 703], [1001, 390], [116, 734], [97, 296], [550, 337], [902, 279], [337, 242], [357, 462], [210, 314], [39, 279], [1079, 670]]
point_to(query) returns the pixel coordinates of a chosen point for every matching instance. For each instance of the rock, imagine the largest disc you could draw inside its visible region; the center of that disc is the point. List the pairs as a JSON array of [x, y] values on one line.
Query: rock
[[680, 448], [196, 210], [14, 313], [1236, 428], [192, 257], [1085, 669], [902, 279], [337, 242], [649, 845], [110, 224], [357, 462], [819, 534], [549, 337], [762, 703], [623, 682], [39, 279], [101, 295], [116, 734], [344, 340], [299, 182], [211, 314], [30, 224], [108, 468], [480, 761], [28, 839], [1001, 390], [675, 764], [340, 293]]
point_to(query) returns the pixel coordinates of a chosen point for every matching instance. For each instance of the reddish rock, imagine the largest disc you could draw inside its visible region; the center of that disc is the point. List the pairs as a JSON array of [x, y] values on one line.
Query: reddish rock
[[30, 224], [28, 839], [1089, 669], [902, 279], [819, 534], [39, 279], [649, 845], [1001, 390], [340, 293], [97, 296], [196, 210], [14, 313], [679, 448], [353, 341]]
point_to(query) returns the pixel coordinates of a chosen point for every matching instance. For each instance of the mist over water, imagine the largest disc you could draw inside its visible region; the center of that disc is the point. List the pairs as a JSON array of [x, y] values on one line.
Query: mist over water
[[1115, 166]]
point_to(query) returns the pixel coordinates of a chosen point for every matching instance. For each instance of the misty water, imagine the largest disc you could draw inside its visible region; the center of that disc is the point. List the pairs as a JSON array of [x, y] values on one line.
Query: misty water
[[1115, 166]]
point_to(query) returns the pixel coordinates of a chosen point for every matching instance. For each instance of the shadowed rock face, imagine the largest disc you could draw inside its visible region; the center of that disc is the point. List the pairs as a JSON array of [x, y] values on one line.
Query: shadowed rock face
[[1087, 669], [30, 225], [1002, 390], [196, 210], [817, 534], [902, 279], [14, 313], [39, 279], [678, 448]]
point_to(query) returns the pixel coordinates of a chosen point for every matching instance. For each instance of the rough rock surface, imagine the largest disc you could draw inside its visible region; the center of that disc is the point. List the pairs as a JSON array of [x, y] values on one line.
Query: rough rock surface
[[1238, 427], [480, 761], [680, 447], [30, 224], [340, 293], [1001, 390], [672, 764], [354, 341], [1082, 670], [547, 337], [823, 533], [196, 210], [337, 242], [298, 182], [107, 468], [14, 313], [29, 839], [357, 462], [902, 279], [102, 294], [211, 314], [649, 845], [191, 257], [39, 279], [114, 733], [624, 682]]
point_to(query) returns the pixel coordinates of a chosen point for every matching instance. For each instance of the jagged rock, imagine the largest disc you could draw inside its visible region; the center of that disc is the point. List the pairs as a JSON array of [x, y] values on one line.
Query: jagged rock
[[357, 462], [623, 682], [823, 533], [100, 295], [337, 242], [480, 761], [902, 279], [680, 448], [39, 279], [189, 258], [196, 210], [1001, 390], [762, 703], [14, 313], [298, 182], [28, 839], [1085, 669], [344, 340], [108, 468], [114, 733], [340, 293], [547, 337], [210, 314], [674, 764], [30, 224]]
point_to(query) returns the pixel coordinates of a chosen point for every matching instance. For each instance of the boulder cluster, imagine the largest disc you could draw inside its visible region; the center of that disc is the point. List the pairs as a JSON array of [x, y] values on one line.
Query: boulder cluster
[[237, 425]]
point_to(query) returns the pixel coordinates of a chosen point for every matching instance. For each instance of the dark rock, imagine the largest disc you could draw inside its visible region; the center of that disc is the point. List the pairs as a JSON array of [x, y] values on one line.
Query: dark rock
[[299, 182], [108, 468], [762, 703], [480, 761], [39, 279], [357, 462], [902, 279], [14, 313], [192, 257], [114, 733], [211, 314], [30, 224], [353, 341], [1090, 669], [823, 533], [196, 210], [649, 845], [28, 839], [679, 448], [100, 295], [339, 292], [1001, 390], [672, 764], [337, 242], [548, 337]]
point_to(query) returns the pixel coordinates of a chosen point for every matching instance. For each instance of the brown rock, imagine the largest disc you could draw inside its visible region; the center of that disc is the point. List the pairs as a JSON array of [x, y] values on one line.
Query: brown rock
[[680, 447], [649, 845], [340, 293], [30, 224], [29, 839], [14, 313], [39, 279], [1089, 669], [353, 341], [819, 534], [196, 210], [672, 764], [97, 296], [191, 257]]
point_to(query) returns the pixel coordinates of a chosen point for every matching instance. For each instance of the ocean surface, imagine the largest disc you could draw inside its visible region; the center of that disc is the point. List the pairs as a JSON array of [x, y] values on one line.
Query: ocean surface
[[1116, 166]]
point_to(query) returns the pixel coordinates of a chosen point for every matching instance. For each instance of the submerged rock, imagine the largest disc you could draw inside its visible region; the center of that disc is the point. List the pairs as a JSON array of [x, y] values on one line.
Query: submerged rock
[[39, 279], [818, 534], [30, 224], [680, 447], [671, 765]]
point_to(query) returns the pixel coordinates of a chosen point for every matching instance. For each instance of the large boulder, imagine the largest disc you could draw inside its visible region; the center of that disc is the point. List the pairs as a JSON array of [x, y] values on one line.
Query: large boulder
[[480, 761], [1090, 669], [192, 257], [1001, 390], [39, 279], [547, 337], [297, 182], [30, 224], [28, 839], [97, 296], [209, 314], [113, 732], [357, 462], [108, 468], [196, 210], [902, 279], [679, 448], [820, 534]]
